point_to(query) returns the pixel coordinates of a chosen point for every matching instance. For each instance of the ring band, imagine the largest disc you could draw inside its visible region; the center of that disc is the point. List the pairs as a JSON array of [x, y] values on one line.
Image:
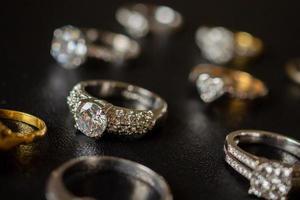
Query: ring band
[[71, 46], [220, 45], [139, 19], [57, 191], [213, 82], [93, 114], [10, 139], [268, 178]]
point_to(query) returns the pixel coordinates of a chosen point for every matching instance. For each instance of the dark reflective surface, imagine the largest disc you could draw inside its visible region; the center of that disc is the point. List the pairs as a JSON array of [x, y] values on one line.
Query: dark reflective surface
[[188, 150]]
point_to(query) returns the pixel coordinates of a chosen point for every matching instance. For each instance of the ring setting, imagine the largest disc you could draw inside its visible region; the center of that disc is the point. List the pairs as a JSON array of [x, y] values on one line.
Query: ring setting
[[269, 179], [93, 116], [71, 46]]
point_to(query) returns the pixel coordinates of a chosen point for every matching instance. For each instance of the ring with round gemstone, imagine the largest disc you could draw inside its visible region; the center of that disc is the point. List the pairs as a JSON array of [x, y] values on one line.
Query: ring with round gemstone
[[93, 114], [139, 19], [145, 177], [71, 46], [269, 179], [221, 46], [10, 138], [212, 82]]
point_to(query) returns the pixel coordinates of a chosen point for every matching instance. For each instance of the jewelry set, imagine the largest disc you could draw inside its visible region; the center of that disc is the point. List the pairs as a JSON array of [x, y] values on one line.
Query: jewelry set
[[95, 115]]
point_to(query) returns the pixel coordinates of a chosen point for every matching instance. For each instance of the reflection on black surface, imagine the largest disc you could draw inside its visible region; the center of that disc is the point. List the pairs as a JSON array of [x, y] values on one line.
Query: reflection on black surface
[[100, 185]]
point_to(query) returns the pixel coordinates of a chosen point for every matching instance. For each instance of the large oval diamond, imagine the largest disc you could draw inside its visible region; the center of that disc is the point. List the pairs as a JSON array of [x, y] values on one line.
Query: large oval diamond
[[90, 119], [69, 46]]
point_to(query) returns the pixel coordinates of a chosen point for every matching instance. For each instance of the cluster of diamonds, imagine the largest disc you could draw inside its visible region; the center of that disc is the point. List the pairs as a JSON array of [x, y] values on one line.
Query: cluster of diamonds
[[269, 180], [129, 122], [75, 97], [210, 88]]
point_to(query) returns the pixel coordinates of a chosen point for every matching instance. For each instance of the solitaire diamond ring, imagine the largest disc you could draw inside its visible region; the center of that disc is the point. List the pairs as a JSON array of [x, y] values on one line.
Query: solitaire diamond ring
[[213, 82], [89, 102], [139, 19], [71, 46], [269, 179], [220, 45], [143, 178]]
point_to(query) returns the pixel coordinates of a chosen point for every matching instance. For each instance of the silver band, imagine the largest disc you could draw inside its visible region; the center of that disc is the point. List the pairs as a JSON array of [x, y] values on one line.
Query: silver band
[[139, 19], [56, 189], [94, 114], [268, 178], [71, 46]]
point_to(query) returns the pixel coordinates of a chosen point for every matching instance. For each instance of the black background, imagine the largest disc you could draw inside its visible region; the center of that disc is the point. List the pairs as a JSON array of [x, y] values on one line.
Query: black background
[[188, 151]]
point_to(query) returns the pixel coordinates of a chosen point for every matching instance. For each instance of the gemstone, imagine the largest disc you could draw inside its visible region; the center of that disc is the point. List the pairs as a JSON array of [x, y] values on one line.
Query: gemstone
[[69, 47], [210, 88], [271, 180], [90, 119], [216, 44]]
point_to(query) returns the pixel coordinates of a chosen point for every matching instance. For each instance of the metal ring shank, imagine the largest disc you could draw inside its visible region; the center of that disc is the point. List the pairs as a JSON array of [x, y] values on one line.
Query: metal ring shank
[[238, 84], [57, 191], [13, 139], [112, 47]]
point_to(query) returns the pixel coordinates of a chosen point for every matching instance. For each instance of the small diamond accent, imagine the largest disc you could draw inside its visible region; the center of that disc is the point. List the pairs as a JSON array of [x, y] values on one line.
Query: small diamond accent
[[217, 44], [90, 119], [271, 180], [210, 88], [69, 47]]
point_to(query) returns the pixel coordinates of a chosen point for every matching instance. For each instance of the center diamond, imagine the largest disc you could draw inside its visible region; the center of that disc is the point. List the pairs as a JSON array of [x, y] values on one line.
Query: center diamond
[[271, 180], [90, 119], [210, 88], [69, 47]]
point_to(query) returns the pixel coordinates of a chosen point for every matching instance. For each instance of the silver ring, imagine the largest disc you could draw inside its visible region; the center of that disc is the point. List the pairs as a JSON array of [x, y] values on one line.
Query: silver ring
[[139, 19], [93, 113], [221, 45], [71, 46], [269, 179], [56, 189]]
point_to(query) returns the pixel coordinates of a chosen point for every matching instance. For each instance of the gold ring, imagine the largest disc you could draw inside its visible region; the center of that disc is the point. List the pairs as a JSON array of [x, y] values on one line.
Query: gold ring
[[213, 82], [9, 138], [223, 46]]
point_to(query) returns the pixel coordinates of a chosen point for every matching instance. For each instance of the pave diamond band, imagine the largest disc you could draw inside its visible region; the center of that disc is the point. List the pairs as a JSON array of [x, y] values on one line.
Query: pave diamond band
[[213, 81], [269, 179], [71, 46], [220, 45], [139, 19], [92, 165], [93, 114]]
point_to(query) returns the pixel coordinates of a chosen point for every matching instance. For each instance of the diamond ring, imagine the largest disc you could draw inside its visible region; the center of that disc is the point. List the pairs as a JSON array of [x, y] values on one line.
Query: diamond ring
[[93, 114], [144, 180], [71, 46], [213, 82], [269, 179], [221, 46], [139, 19]]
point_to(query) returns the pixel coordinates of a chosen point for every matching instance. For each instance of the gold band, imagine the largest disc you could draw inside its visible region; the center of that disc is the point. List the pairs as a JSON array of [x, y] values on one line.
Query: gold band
[[9, 139]]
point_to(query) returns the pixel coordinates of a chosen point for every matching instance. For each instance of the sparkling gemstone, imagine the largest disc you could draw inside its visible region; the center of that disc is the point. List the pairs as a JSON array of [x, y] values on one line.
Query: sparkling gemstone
[[90, 119], [271, 180], [209, 88], [69, 47], [216, 44]]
